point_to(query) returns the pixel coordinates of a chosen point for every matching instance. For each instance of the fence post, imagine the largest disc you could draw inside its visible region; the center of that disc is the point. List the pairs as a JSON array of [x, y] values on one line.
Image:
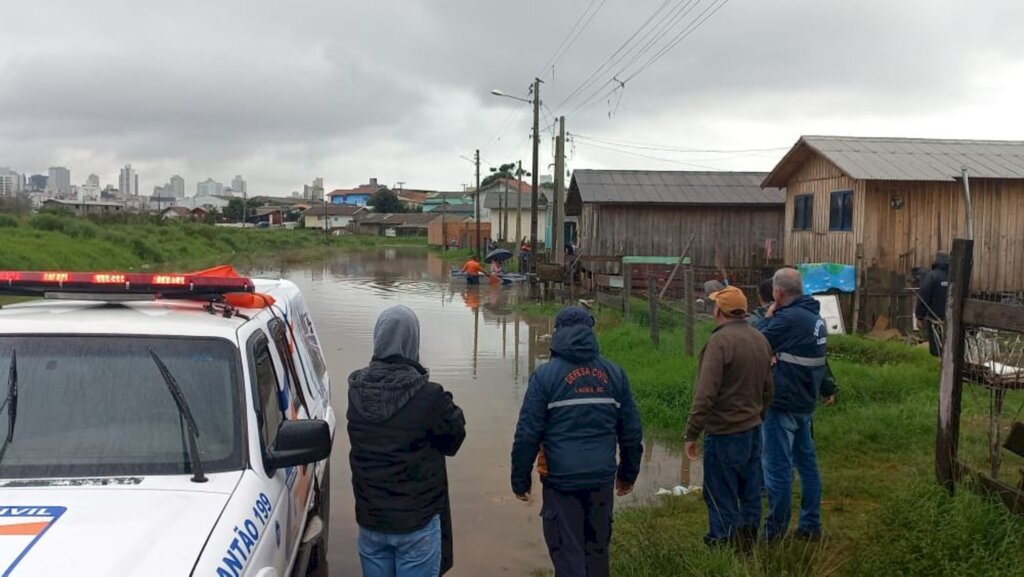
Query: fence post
[[652, 300], [627, 287], [857, 275], [951, 381], [689, 306]]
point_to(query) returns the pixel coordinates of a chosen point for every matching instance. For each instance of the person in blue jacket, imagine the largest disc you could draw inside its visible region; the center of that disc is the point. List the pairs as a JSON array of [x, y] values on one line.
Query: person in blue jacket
[[798, 336], [580, 408]]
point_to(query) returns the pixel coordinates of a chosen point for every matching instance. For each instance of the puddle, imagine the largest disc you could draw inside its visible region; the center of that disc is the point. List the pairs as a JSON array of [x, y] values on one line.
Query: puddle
[[479, 348]]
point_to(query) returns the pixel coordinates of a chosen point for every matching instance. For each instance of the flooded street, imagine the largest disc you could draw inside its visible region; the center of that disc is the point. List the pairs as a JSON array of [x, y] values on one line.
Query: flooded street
[[481, 350]]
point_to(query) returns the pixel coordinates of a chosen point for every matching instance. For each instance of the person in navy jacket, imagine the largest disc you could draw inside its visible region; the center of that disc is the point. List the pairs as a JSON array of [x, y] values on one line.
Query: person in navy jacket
[[580, 408], [798, 336]]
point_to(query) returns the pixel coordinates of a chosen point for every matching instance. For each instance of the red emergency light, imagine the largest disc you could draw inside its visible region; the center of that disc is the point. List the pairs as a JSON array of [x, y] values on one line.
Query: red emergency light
[[201, 285]]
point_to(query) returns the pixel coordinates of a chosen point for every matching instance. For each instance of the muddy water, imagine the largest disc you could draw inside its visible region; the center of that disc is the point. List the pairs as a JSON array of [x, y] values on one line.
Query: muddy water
[[476, 346]]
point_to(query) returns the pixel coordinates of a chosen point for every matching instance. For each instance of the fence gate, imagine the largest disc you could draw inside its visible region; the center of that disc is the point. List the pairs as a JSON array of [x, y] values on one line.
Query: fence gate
[[983, 347]]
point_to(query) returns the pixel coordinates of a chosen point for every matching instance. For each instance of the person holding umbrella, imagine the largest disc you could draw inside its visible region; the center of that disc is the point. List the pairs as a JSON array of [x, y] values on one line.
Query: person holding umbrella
[[496, 257]]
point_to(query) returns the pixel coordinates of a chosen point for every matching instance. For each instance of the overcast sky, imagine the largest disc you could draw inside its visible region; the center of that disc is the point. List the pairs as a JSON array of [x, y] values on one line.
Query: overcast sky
[[282, 92]]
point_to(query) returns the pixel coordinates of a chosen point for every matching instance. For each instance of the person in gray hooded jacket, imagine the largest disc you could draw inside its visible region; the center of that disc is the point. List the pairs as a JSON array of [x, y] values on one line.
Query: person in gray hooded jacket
[[401, 426]]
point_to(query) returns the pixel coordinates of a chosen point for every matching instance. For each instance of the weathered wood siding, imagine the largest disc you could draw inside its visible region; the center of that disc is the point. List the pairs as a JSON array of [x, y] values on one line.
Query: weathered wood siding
[[739, 233], [933, 215], [820, 178], [900, 239]]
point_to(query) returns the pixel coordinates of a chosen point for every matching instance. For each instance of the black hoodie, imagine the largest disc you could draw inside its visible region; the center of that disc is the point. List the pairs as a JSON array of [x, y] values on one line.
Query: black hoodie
[[931, 298], [401, 427]]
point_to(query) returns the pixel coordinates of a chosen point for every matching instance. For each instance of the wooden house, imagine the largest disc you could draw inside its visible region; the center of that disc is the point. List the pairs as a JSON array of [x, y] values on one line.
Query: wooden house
[[901, 200], [733, 221]]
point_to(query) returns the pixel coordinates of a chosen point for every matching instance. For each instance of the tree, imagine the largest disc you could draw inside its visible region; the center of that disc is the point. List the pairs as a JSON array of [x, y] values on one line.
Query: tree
[[385, 200], [503, 171], [233, 211]]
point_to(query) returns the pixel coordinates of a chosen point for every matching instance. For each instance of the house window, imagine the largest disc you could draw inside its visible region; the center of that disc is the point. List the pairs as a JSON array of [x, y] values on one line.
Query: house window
[[840, 210], [803, 212]]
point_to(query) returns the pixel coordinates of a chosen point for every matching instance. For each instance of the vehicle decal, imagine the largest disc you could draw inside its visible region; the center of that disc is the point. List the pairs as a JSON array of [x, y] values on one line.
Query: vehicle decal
[[20, 529], [247, 535], [96, 482]]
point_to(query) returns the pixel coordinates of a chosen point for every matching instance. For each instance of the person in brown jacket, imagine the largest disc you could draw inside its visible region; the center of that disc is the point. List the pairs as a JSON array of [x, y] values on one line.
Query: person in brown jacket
[[732, 391]]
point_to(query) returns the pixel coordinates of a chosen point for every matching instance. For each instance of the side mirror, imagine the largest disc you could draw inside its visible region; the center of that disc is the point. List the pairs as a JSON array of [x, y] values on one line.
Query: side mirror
[[299, 442]]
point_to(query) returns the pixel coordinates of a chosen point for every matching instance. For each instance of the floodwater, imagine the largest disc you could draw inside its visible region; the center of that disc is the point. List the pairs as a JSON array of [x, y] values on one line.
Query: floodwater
[[482, 351]]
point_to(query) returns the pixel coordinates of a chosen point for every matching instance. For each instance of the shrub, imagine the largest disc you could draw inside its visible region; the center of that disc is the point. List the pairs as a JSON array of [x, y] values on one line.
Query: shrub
[[8, 221], [49, 222]]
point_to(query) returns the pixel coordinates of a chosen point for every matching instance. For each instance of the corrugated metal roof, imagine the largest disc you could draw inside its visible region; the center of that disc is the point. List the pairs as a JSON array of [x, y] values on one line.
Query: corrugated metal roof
[[909, 159], [674, 187], [495, 200]]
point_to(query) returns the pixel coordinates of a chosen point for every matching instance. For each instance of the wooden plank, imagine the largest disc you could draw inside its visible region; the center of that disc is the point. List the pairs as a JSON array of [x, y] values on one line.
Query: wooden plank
[[1012, 497], [665, 260], [858, 272], [627, 289], [652, 302], [951, 381], [993, 315], [688, 302], [599, 259]]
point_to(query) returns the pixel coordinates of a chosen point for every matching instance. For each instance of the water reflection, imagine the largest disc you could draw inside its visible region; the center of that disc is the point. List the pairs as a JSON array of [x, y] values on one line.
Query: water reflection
[[479, 347]]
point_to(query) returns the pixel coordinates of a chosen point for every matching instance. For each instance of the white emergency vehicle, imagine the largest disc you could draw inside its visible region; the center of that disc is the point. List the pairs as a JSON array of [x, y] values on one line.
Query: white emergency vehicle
[[161, 424]]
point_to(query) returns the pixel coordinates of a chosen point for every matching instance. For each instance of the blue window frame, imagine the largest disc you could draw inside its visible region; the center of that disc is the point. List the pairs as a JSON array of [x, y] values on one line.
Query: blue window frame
[[840, 211], [803, 212]]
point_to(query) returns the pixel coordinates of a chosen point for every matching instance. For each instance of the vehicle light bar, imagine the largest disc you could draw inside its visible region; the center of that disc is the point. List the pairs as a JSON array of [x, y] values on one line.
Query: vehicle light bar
[[163, 285]]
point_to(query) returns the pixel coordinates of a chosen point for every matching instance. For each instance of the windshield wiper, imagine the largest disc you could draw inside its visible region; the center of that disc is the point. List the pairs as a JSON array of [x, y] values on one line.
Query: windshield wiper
[[186, 414], [11, 402]]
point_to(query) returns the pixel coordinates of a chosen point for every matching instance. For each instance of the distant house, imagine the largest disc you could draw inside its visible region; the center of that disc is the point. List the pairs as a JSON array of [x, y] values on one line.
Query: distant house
[[456, 203], [458, 228], [393, 224], [901, 200], [208, 202], [84, 207], [338, 217], [176, 213], [200, 214], [501, 186], [733, 221], [499, 199], [272, 215], [356, 196], [413, 199]]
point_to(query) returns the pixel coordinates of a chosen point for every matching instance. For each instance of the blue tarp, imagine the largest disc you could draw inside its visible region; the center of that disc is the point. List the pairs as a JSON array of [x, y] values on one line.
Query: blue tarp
[[824, 276]]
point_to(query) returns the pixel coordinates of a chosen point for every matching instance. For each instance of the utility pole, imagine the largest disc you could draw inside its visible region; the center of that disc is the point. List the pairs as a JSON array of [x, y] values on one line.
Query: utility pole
[[518, 208], [536, 169], [245, 205], [557, 211], [477, 195], [505, 211], [444, 228]]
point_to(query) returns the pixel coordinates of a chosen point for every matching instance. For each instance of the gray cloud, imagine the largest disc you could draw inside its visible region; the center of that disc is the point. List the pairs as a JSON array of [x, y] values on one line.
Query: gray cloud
[[284, 92]]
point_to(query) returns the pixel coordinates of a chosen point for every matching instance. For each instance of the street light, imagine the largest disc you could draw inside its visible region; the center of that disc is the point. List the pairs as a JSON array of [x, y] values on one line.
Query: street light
[[497, 92], [535, 101]]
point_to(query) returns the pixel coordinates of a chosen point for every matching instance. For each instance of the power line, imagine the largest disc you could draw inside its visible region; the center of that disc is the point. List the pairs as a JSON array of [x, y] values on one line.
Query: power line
[[569, 39], [648, 156], [686, 31], [662, 148], [609, 61], [681, 37], [638, 50]]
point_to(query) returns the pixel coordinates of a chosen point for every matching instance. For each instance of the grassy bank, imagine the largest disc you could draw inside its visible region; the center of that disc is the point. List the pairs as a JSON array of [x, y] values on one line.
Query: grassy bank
[[881, 511], [47, 242]]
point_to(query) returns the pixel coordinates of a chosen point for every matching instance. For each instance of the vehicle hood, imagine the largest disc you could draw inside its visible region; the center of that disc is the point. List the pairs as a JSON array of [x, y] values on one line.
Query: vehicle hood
[[105, 530]]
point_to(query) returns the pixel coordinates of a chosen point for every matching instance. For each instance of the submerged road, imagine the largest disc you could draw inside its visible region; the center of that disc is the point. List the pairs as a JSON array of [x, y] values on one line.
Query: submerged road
[[476, 346]]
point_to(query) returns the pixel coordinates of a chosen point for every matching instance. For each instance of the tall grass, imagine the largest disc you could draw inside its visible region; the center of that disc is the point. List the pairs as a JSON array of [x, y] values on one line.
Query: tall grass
[[48, 242], [881, 511]]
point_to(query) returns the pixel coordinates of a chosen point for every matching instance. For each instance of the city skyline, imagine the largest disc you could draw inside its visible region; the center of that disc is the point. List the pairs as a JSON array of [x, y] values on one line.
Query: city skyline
[[307, 101]]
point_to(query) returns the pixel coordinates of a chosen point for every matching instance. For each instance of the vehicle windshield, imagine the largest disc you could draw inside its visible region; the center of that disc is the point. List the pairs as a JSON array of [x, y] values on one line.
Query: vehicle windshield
[[98, 406]]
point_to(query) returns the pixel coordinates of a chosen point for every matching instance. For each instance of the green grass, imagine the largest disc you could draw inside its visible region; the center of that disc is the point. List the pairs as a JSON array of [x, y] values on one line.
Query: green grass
[[52, 242], [883, 514]]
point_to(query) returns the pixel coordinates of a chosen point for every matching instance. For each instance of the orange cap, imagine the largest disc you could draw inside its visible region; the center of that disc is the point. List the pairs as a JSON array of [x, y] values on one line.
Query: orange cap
[[731, 301]]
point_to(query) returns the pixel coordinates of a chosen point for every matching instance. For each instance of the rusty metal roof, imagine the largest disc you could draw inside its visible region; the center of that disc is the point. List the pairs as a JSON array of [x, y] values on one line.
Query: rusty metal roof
[[909, 159], [673, 187]]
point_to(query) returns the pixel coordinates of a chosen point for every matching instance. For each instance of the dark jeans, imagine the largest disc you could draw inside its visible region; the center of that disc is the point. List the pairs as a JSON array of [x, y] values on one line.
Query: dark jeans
[[789, 444], [472, 279], [578, 529], [732, 485]]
